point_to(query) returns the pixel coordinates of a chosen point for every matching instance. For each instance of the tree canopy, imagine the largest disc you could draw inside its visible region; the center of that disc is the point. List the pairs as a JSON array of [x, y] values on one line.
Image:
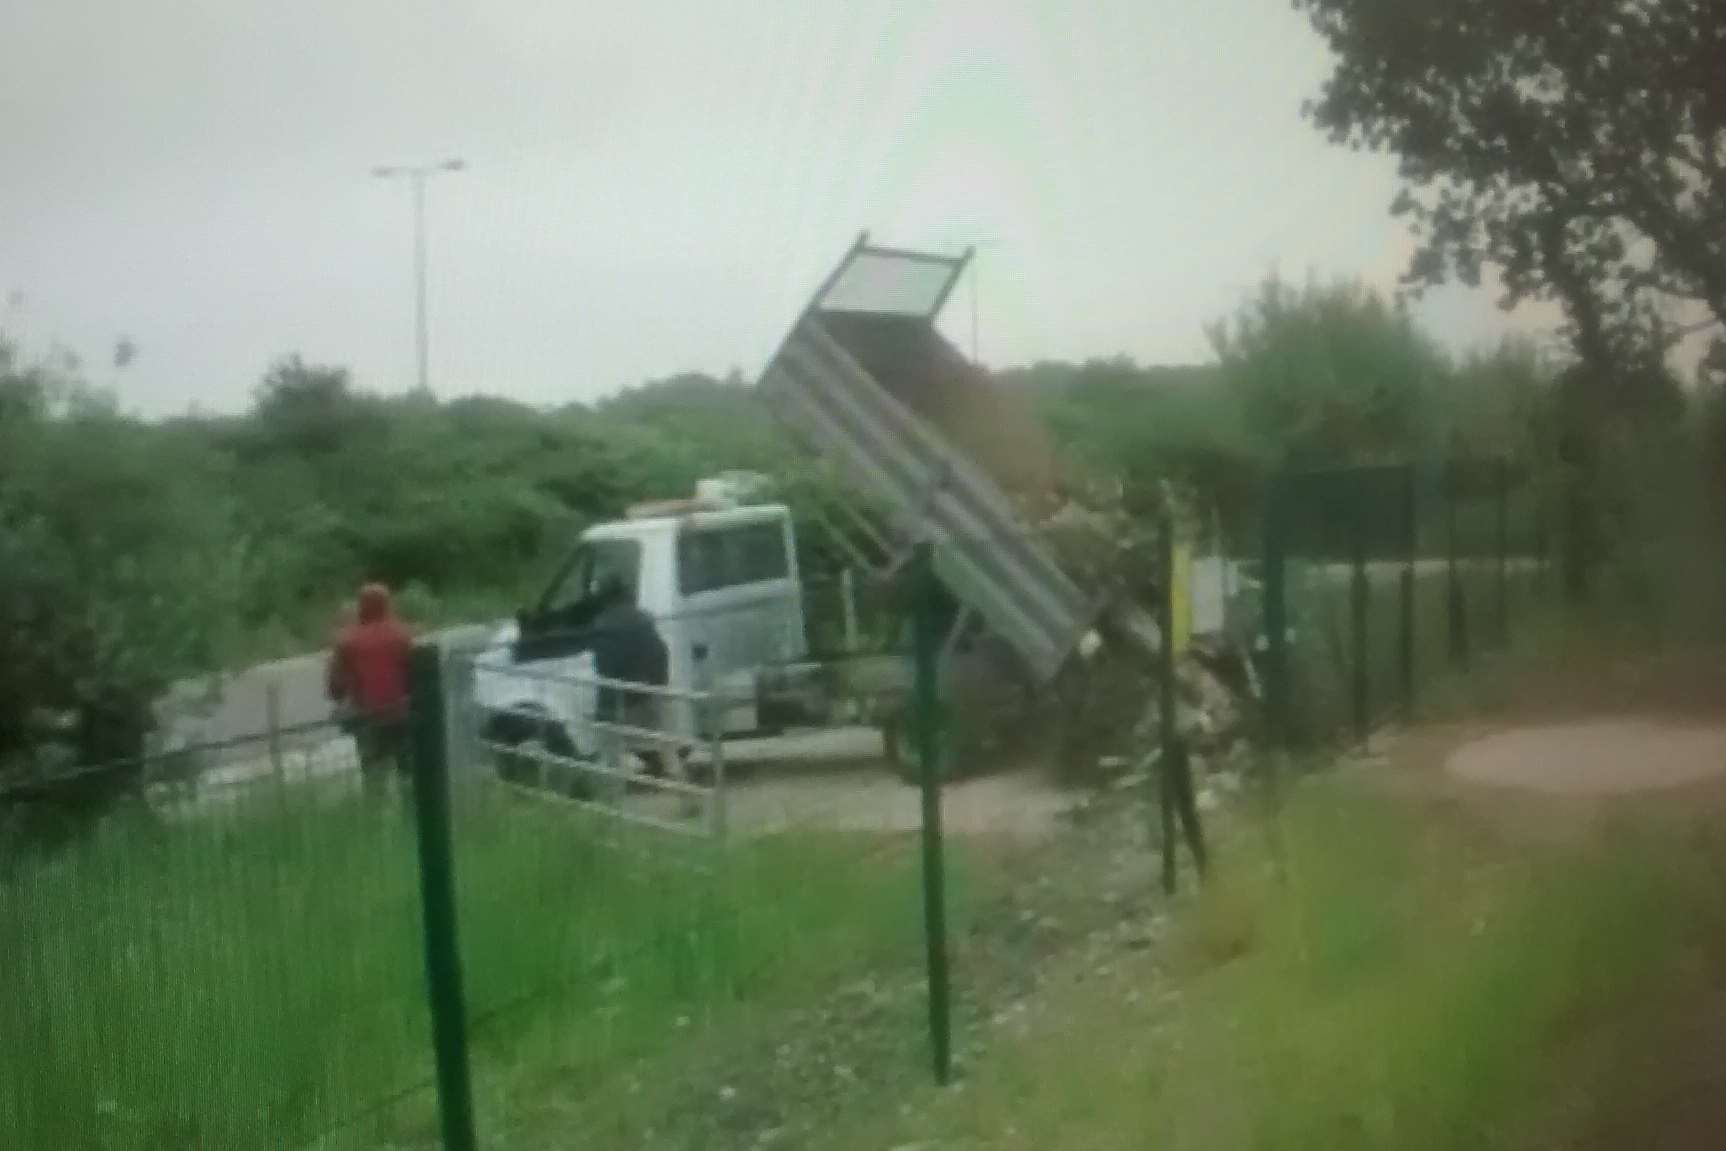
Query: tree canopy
[[120, 571], [1578, 146], [1330, 374]]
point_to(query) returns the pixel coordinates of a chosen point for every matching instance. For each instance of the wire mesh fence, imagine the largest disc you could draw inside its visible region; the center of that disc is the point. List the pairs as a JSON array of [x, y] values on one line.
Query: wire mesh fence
[[229, 957], [1389, 578], [838, 838], [656, 915]]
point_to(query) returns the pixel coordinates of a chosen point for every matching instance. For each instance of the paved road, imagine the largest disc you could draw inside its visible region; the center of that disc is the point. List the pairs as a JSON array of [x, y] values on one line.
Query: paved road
[[1384, 571], [237, 704], [239, 707], [235, 708]]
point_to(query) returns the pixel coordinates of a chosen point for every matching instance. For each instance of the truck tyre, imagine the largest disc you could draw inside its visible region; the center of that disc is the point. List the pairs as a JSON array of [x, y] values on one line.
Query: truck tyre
[[521, 744]]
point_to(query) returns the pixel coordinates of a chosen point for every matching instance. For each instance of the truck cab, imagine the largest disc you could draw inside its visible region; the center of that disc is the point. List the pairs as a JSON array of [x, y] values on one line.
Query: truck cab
[[721, 586]]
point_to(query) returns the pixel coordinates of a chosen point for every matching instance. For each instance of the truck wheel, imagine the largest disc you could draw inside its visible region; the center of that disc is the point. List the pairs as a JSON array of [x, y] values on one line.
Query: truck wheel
[[523, 744]]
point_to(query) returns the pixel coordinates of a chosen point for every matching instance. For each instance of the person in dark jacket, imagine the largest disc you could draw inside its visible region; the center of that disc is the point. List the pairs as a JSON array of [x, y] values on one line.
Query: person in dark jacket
[[627, 648], [367, 679]]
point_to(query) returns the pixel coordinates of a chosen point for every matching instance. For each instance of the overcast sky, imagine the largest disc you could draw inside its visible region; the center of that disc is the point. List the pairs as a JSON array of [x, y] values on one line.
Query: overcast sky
[[653, 187]]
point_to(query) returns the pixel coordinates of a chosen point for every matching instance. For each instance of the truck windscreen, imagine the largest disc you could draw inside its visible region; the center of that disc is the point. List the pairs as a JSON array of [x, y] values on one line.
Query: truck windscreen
[[590, 566]]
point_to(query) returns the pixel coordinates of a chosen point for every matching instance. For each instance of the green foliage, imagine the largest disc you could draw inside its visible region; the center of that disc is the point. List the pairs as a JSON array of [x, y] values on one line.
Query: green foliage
[[1308, 377], [694, 425], [1119, 419], [1328, 375], [1576, 145], [119, 572], [1579, 149], [139, 553], [1497, 403], [469, 500], [245, 535]]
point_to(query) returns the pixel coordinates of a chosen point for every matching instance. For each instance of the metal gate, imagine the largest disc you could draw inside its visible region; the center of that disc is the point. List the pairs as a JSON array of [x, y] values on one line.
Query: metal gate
[[635, 757]]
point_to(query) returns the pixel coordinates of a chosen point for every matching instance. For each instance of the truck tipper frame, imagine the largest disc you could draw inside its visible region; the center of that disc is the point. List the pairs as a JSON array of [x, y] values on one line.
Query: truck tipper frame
[[866, 380]]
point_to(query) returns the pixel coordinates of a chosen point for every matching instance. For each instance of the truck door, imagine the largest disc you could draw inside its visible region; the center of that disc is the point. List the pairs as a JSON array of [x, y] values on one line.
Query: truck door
[[555, 639], [740, 603]]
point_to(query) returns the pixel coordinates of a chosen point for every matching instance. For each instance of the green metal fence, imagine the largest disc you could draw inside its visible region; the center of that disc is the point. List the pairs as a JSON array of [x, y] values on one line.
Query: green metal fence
[[228, 957], [1378, 580], [646, 932], [884, 885], [669, 936]]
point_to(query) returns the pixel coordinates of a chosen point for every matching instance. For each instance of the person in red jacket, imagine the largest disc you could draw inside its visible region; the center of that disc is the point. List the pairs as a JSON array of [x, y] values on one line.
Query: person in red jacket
[[368, 681]]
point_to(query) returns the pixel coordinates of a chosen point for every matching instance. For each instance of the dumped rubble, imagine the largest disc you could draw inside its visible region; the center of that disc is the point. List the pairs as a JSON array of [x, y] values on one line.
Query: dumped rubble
[[1108, 541]]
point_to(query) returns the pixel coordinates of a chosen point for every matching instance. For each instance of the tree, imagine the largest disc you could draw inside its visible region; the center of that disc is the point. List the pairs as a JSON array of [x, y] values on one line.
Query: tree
[[309, 408], [1141, 424], [118, 576], [1331, 374], [1498, 403], [699, 425], [1579, 146]]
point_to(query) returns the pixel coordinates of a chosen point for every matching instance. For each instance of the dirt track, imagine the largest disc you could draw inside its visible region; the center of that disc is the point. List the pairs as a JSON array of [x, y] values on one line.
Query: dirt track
[[872, 798], [1595, 757], [1595, 733]]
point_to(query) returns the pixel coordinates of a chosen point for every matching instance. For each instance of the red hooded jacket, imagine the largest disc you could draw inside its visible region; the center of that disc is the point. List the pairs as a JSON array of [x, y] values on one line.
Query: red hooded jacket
[[369, 664]]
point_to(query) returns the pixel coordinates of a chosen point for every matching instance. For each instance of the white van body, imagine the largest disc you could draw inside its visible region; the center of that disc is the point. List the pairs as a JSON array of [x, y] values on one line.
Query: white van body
[[721, 585]]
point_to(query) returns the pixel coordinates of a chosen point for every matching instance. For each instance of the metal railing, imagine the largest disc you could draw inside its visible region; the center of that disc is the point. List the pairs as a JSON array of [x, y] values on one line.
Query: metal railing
[[546, 744]]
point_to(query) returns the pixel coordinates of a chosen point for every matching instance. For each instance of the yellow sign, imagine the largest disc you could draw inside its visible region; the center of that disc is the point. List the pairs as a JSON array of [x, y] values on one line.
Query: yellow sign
[[1180, 596]]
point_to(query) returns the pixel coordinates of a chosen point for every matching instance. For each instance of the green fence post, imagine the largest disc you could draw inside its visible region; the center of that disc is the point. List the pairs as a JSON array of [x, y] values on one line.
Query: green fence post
[[1275, 619], [1175, 769], [926, 643], [437, 898], [1501, 496], [1167, 730], [1410, 545], [1456, 606], [1357, 596], [1540, 542]]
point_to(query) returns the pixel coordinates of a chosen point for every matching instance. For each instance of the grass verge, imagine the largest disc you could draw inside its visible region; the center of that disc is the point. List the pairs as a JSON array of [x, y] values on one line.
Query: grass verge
[[1379, 973], [250, 975]]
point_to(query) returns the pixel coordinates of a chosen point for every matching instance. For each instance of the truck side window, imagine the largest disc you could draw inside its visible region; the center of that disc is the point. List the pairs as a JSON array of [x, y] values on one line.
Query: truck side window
[[761, 552], [699, 564], [726, 557]]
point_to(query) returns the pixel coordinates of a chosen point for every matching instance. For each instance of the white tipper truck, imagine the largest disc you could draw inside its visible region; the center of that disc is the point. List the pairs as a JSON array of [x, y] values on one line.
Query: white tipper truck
[[868, 383]]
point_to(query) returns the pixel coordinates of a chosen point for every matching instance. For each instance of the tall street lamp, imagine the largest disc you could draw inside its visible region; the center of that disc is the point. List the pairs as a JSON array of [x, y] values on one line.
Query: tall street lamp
[[417, 175]]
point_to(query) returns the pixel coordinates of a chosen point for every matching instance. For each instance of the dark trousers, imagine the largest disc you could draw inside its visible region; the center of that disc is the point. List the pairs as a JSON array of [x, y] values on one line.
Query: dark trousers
[[382, 746]]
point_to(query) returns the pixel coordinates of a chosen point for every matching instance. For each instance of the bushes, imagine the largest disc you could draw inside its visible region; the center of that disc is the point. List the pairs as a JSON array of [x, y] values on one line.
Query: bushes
[[119, 572], [141, 552], [133, 554]]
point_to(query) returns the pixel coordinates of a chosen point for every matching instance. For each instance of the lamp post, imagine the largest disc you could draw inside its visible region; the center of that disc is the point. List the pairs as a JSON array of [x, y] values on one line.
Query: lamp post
[[416, 176]]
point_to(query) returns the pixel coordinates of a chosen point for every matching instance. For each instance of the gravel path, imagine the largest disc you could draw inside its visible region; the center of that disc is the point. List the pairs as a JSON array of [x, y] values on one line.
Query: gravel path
[[872, 798], [834, 779]]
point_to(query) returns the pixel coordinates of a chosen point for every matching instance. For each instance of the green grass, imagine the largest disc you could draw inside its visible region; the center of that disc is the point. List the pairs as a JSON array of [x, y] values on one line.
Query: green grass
[[252, 977], [591, 964], [244, 979], [1368, 970], [1377, 974]]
